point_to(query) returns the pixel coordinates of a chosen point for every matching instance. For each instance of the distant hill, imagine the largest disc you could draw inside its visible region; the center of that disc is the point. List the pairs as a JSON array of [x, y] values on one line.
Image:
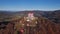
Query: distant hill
[[51, 15]]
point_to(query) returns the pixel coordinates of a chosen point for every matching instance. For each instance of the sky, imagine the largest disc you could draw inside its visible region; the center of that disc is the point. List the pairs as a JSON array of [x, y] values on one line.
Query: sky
[[20, 5]]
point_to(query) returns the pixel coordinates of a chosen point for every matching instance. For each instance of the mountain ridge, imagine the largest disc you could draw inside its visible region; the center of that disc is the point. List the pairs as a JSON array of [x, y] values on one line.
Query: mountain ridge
[[51, 15]]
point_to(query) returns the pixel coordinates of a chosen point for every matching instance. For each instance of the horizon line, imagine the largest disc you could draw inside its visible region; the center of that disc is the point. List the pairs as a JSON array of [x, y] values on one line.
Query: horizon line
[[30, 10]]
